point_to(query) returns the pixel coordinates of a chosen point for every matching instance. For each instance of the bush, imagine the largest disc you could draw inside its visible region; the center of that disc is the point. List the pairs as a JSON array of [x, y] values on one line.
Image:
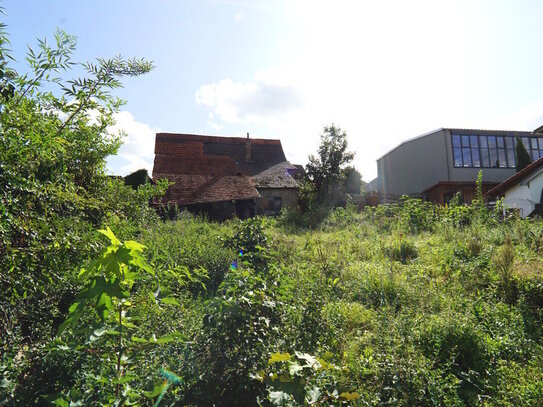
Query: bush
[[402, 251]]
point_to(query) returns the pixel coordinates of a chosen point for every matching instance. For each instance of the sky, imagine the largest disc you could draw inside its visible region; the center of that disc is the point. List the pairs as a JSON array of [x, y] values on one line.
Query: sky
[[383, 71]]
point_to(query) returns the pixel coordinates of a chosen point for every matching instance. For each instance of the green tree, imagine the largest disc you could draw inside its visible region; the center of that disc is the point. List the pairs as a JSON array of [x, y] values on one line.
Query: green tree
[[327, 170], [54, 138], [353, 180], [522, 156]]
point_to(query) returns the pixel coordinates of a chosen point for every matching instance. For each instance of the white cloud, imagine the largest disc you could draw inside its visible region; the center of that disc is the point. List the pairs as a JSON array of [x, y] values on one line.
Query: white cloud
[[137, 150], [239, 17], [256, 102]]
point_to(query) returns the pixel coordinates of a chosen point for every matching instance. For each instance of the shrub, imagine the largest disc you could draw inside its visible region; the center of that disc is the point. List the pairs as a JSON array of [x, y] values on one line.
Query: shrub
[[402, 251]]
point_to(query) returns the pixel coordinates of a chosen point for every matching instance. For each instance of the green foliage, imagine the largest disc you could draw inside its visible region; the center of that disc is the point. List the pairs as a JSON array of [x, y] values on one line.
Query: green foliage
[[302, 379], [239, 325], [327, 171], [521, 154], [111, 292], [402, 251], [502, 263], [54, 193], [353, 180], [250, 242]]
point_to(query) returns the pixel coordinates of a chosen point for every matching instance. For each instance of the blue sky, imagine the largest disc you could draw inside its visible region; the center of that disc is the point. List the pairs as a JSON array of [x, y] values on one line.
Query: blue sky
[[383, 71]]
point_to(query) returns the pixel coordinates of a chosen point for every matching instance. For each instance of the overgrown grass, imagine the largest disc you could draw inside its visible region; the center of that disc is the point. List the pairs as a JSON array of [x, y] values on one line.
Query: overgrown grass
[[418, 305]]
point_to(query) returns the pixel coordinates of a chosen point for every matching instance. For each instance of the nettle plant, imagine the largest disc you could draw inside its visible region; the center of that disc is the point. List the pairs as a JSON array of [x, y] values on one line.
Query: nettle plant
[[111, 292]]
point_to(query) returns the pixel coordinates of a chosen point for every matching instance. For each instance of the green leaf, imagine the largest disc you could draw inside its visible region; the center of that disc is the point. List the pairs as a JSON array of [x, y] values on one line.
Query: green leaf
[[314, 394], [279, 398], [60, 402], [104, 305], [76, 310], [295, 368], [348, 396], [109, 234], [278, 357], [170, 301], [137, 339], [124, 379], [156, 390], [310, 360], [132, 245], [172, 337]]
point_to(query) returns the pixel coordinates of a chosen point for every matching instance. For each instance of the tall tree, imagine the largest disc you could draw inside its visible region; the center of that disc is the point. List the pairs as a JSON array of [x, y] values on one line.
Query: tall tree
[[521, 154], [54, 138], [327, 170]]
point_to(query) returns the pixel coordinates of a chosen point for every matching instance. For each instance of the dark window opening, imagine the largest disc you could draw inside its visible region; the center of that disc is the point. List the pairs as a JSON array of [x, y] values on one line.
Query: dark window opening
[[272, 205]]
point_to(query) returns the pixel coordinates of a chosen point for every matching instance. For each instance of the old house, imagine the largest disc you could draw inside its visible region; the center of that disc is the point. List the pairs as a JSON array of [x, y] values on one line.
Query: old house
[[224, 176]]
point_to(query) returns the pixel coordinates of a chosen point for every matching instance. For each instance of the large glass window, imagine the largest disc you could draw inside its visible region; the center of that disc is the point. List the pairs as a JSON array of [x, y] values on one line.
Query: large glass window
[[475, 151]]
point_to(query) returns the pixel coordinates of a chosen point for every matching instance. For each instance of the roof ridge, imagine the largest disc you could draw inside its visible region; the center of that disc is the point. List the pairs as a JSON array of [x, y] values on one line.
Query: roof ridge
[[216, 137]]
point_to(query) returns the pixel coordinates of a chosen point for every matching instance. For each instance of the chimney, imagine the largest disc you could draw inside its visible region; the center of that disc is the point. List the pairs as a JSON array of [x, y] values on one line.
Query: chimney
[[248, 148]]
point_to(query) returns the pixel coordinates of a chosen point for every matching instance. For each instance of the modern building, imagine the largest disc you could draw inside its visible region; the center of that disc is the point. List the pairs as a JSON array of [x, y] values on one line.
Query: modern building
[[224, 176], [437, 165]]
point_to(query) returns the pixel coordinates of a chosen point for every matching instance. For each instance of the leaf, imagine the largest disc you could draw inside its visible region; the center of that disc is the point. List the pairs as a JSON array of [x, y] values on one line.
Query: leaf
[[279, 398], [124, 379], [132, 245], [109, 234], [137, 339], [310, 360], [348, 396], [260, 375], [172, 337], [83, 273], [170, 301], [103, 305], [278, 357], [295, 368], [60, 402], [76, 310], [314, 394], [156, 390]]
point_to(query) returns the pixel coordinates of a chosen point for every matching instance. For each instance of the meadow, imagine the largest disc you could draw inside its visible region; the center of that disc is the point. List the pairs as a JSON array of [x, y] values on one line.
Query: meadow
[[404, 304]]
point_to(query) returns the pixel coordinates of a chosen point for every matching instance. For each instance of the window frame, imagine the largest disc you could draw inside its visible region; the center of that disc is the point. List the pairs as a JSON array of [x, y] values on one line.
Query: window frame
[[490, 150]]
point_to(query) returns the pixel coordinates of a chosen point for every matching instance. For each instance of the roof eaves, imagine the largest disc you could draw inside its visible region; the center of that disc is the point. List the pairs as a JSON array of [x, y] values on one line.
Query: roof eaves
[[516, 178]]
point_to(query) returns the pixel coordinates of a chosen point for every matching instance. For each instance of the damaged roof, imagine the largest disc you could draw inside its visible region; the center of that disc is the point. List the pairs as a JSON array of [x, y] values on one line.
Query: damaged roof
[[188, 189], [278, 176]]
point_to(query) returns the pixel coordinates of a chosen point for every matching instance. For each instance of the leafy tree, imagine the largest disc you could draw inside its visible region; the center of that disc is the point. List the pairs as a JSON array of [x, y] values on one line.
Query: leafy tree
[[521, 155], [327, 170], [54, 138], [353, 180]]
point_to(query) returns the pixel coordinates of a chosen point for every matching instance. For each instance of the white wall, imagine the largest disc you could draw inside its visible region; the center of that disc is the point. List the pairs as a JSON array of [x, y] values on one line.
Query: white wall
[[525, 197]]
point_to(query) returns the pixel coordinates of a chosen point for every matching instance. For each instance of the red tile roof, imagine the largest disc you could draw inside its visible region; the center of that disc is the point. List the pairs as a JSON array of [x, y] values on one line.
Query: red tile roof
[[516, 178], [190, 189], [212, 169]]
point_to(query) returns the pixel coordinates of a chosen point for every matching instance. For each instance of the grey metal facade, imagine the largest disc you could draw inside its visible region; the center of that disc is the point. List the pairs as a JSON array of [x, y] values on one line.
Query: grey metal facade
[[424, 161]]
